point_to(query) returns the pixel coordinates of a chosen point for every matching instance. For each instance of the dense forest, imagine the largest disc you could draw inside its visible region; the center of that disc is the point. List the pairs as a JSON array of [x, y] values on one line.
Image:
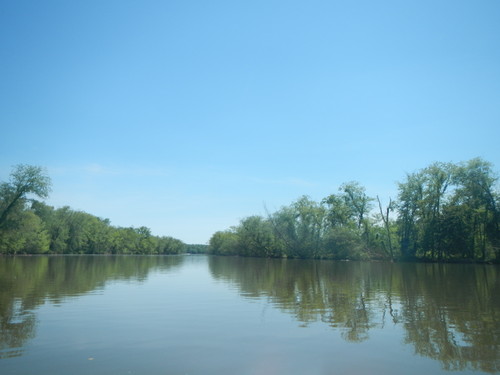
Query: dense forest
[[444, 212], [30, 226]]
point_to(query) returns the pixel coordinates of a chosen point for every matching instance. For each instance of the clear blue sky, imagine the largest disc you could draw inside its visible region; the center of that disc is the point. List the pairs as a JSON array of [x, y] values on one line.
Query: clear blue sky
[[187, 116]]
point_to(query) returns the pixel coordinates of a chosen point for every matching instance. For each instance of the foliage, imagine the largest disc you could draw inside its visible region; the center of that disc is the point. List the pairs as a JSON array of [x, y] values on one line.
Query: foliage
[[32, 227], [224, 243], [450, 212], [196, 249], [24, 180], [444, 212]]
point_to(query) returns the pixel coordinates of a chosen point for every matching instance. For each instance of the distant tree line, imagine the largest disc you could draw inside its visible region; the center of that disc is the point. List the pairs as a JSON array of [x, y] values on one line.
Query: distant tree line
[[444, 212], [30, 226]]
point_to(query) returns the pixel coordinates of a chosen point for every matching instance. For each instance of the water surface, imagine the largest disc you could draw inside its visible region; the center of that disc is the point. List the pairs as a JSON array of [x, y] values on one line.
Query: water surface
[[228, 315]]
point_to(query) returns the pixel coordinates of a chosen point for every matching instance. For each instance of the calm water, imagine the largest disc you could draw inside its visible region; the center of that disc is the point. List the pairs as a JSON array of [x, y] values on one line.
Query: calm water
[[216, 315]]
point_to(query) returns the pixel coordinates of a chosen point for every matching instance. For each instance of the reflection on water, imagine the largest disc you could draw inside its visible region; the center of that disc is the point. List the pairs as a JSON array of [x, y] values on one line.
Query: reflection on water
[[27, 282], [449, 312]]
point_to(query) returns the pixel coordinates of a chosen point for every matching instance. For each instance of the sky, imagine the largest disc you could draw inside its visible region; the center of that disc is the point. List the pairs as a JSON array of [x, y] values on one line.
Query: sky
[[188, 116]]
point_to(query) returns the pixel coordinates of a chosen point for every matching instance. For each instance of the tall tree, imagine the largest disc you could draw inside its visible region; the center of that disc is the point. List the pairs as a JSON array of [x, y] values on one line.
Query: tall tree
[[475, 192], [24, 180], [339, 214], [386, 221], [301, 227], [355, 197], [256, 238], [437, 178], [410, 201]]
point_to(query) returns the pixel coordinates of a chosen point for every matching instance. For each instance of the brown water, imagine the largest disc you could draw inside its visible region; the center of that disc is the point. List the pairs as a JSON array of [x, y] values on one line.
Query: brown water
[[224, 315]]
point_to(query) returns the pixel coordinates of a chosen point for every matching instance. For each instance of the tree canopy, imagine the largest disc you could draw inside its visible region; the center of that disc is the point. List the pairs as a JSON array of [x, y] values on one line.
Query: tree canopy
[[30, 226], [24, 180], [444, 212]]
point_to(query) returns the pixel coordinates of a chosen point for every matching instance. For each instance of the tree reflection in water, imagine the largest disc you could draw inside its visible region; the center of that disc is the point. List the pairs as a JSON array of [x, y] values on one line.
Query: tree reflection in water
[[449, 312], [27, 282]]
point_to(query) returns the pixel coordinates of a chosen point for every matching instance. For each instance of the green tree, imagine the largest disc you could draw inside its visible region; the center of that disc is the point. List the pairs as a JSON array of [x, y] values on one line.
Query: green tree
[[301, 227], [224, 243], [409, 207], [339, 213], [24, 180], [145, 242], [20, 229], [358, 202], [436, 180], [479, 200], [170, 245], [256, 237], [123, 241], [447, 211], [27, 236], [56, 225], [343, 243]]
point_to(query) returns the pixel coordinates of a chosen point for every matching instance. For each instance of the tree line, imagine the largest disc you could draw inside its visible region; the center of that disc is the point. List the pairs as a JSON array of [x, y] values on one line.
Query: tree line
[[30, 226], [444, 212]]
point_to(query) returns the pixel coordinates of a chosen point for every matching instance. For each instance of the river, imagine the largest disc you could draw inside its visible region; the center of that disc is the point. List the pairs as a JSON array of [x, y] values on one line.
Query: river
[[229, 315]]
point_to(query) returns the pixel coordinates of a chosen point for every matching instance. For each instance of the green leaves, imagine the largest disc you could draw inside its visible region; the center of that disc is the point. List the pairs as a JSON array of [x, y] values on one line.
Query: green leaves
[[27, 179], [444, 212], [43, 229], [24, 180], [449, 211]]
